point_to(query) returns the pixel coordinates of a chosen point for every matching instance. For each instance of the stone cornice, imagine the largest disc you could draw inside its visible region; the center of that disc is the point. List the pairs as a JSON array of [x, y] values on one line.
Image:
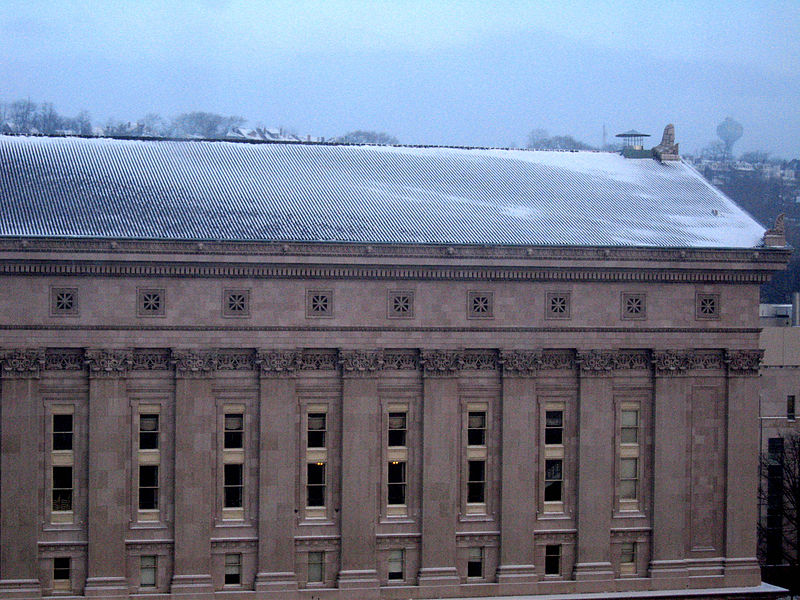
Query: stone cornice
[[108, 363], [758, 274], [601, 362]]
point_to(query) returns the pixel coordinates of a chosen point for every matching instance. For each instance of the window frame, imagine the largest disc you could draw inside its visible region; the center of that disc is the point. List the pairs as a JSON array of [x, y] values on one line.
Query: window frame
[[232, 567]]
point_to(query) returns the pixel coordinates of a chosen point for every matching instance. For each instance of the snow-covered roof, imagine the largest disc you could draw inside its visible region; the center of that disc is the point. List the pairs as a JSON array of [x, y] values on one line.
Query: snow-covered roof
[[191, 190]]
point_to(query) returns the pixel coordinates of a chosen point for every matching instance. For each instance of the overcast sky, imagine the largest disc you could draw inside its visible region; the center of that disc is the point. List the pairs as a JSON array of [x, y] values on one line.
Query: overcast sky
[[439, 72]]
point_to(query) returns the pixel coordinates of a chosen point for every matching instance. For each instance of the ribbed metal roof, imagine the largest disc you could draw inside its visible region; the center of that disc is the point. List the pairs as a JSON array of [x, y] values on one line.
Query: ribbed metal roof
[[182, 190]]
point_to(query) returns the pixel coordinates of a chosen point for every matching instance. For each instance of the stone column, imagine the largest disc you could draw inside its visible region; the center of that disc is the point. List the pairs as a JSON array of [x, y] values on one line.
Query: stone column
[[595, 465], [441, 426], [195, 468], [741, 510], [277, 470], [671, 393], [519, 452], [361, 469], [109, 456], [20, 466]]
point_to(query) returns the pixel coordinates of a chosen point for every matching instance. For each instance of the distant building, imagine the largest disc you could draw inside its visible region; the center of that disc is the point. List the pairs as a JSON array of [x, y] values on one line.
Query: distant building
[[253, 370]]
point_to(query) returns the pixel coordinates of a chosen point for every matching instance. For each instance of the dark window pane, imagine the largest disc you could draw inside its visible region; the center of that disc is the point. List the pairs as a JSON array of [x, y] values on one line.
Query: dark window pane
[[62, 441], [233, 497], [148, 476], [475, 492], [397, 437], [477, 470], [148, 432], [316, 473], [552, 491], [316, 495], [552, 469], [476, 429], [554, 418], [553, 436], [552, 560], [233, 474], [62, 477], [397, 472], [148, 498], [62, 499], [397, 493], [316, 430], [61, 568]]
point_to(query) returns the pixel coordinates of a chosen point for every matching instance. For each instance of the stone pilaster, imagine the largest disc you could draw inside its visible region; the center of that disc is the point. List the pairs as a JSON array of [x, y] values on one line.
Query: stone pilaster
[[361, 428], [195, 467], [595, 464], [277, 476], [671, 393], [741, 478], [519, 451], [440, 458], [20, 467], [108, 478]]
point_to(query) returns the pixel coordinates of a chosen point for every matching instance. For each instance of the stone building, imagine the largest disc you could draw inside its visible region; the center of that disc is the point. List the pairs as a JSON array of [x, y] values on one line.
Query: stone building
[[321, 371]]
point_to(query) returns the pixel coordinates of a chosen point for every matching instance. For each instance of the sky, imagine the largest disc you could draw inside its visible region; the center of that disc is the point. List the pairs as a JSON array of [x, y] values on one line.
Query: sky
[[433, 72]]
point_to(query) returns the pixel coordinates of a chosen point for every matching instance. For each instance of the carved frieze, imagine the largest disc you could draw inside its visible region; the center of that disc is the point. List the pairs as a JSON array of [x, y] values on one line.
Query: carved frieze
[[151, 360], [441, 362], [743, 362], [319, 360], [149, 547], [632, 359], [401, 360], [674, 362], [521, 362], [278, 362], [108, 363], [234, 360], [360, 362], [193, 363], [597, 362], [480, 360], [22, 363], [64, 359]]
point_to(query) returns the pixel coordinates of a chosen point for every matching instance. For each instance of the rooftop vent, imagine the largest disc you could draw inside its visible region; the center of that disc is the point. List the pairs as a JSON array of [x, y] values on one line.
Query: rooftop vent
[[633, 144]]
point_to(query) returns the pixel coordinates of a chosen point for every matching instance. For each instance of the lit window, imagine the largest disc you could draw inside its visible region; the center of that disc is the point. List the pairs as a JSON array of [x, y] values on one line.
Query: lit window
[[316, 567], [476, 481], [397, 429], [397, 482], [552, 559], [62, 489], [62, 432], [234, 486], [396, 559], [148, 431], [147, 571], [316, 430], [233, 569], [475, 562], [476, 428], [148, 487], [554, 427], [553, 480], [316, 484], [234, 431]]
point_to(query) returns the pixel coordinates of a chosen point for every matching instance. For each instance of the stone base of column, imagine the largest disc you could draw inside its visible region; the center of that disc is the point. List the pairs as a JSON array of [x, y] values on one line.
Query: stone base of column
[[516, 574], [742, 572], [359, 579], [20, 588], [106, 587], [199, 586], [432, 576], [599, 571], [276, 582], [669, 569]]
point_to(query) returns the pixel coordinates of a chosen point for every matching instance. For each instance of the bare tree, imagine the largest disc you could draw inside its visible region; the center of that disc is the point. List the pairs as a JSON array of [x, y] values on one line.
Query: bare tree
[[779, 497], [361, 136], [204, 125]]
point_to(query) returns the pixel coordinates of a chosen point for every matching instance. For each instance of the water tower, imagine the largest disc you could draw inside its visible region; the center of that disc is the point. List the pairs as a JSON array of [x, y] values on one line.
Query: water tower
[[633, 144]]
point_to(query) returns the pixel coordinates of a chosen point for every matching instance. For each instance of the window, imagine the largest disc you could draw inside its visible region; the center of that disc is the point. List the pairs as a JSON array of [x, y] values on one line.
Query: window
[[554, 427], [400, 305], [316, 567], [397, 429], [629, 433], [633, 306], [234, 486], [236, 303], [62, 488], [148, 487], [62, 432], [319, 303], [476, 428], [790, 411], [148, 431], [397, 482], [316, 484], [63, 301], [627, 558], [233, 569], [557, 305], [480, 305], [61, 569], [628, 476], [151, 302], [234, 431], [316, 430], [553, 480], [707, 306], [396, 559], [552, 559], [147, 571], [475, 562], [476, 482]]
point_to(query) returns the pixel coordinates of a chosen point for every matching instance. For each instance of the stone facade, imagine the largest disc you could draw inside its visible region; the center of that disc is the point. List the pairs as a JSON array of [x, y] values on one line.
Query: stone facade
[[573, 420]]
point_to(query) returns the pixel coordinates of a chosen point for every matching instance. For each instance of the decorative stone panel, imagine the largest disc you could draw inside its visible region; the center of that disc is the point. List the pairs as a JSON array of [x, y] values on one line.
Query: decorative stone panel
[[64, 359], [22, 363], [319, 360], [676, 362], [441, 362], [401, 360], [360, 362], [278, 362], [151, 360], [743, 362], [234, 360], [190, 363], [108, 363]]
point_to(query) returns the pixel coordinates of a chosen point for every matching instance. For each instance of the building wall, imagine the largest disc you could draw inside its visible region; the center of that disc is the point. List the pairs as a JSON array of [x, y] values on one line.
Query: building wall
[[687, 376]]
